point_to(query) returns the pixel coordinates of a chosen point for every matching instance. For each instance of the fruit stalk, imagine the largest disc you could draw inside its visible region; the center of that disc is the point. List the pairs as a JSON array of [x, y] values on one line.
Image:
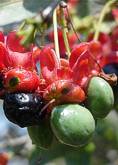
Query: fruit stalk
[[104, 11], [73, 28], [64, 27], [56, 42]]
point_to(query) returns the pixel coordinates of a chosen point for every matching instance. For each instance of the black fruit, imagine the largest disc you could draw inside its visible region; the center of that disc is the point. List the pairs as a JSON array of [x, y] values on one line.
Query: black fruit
[[24, 109]]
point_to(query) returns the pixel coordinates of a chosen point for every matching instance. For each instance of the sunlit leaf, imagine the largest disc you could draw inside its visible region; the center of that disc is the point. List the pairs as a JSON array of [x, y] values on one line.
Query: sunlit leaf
[[14, 11]]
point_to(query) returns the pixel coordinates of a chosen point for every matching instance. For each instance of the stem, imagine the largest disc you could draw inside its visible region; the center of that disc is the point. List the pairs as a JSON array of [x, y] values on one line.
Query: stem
[[65, 30], [56, 42], [22, 25], [102, 15], [74, 30], [47, 105], [42, 31]]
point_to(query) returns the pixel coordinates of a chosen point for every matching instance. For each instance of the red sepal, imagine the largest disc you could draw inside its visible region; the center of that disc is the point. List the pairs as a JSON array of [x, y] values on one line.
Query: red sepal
[[76, 52], [104, 40], [48, 58], [49, 64], [110, 59], [23, 60], [13, 42], [83, 63], [3, 57]]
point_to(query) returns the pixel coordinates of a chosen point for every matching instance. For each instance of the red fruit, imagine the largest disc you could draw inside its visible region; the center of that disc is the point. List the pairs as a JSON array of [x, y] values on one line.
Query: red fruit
[[1, 37], [16, 66], [64, 91], [20, 80]]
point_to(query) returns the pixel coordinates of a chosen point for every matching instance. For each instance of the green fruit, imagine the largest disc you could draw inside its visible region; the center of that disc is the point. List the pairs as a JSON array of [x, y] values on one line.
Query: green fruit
[[41, 135], [100, 98], [72, 124]]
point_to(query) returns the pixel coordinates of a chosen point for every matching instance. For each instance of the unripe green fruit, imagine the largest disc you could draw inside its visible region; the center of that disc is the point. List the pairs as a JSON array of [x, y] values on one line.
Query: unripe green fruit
[[72, 124], [41, 135], [100, 98]]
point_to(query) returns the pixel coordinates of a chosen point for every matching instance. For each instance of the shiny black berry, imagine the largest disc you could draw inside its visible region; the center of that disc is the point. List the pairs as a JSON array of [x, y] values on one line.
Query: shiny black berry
[[24, 109]]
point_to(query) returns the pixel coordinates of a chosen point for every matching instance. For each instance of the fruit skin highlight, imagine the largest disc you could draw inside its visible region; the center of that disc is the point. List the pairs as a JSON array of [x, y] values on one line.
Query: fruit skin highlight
[[72, 124], [100, 98]]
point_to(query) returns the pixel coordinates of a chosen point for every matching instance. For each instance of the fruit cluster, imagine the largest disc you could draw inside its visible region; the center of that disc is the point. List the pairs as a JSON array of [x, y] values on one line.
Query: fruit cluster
[[60, 98], [109, 58]]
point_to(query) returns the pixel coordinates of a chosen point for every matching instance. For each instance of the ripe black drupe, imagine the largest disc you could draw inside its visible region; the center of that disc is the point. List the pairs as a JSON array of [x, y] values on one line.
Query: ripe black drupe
[[24, 109]]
